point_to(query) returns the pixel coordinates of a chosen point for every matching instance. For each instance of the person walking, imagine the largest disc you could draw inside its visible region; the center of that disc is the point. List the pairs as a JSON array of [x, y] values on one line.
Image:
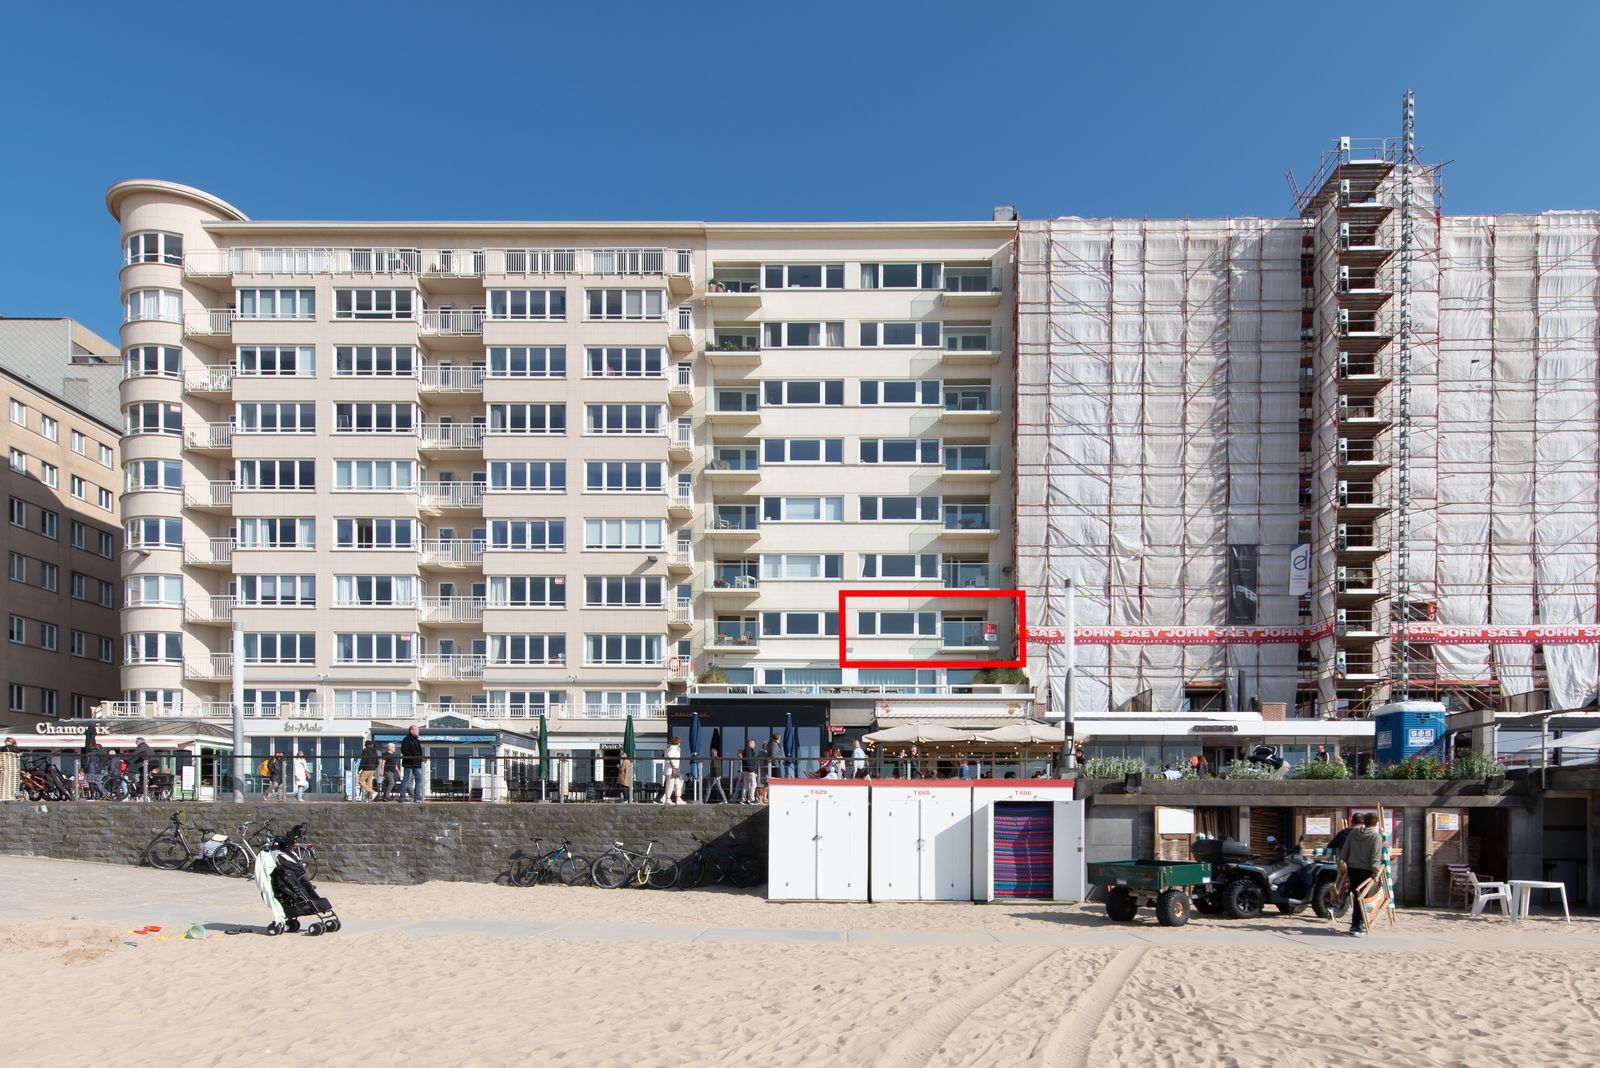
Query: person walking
[[751, 768], [144, 758], [858, 761], [779, 766], [367, 770], [1362, 856], [411, 765], [94, 763], [713, 785], [389, 772], [302, 776], [672, 781], [625, 776], [277, 768]]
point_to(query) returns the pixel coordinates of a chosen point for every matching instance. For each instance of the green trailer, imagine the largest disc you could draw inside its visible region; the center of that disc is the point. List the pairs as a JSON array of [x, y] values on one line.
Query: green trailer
[[1166, 884]]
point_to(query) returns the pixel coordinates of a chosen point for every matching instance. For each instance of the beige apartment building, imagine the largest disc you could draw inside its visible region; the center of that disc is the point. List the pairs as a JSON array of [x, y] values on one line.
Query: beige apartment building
[[60, 539], [504, 470]]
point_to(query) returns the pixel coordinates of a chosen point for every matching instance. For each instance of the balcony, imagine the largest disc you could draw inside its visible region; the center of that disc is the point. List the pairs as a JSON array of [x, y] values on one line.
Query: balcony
[[138, 710], [678, 265], [208, 380], [449, 667], [681, 504], [209, 437], [680, 441], [451, 553], [680, 560], [734, 582], [734, 288], [734, 407], [733, 526], [215, 610], [960, 575], [214, 668], [680, 330], [451, 437], [737, 349], [209, 496], [450, 322], [621, 710], [223, 710], [734, 465], [444, 265], [971, 463], [680, 390], [506, 711], [680, 615], [741, 637], [971, 287], [1359, 500], [972, 404], [970, 346], [968, 522], [214, 552], [211, 324], [452, 611], [451, 378], [450, 496], [969, 634]]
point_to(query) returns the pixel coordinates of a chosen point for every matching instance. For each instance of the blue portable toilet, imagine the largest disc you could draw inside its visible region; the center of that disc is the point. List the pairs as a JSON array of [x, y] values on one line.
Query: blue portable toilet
[[1403, 729]]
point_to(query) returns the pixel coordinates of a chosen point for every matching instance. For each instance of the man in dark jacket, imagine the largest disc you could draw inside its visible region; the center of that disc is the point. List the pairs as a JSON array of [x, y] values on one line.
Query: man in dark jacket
[[1362, 856], [411, 764], [367, 770], [144, 762]]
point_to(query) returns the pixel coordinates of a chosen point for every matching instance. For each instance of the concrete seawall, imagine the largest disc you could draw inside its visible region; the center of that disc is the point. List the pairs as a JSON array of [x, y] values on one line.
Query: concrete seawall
[[388, 843]]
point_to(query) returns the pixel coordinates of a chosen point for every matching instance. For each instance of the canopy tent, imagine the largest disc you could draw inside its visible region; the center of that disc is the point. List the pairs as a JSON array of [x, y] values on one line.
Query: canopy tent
[[1024, 734], [919, 734]]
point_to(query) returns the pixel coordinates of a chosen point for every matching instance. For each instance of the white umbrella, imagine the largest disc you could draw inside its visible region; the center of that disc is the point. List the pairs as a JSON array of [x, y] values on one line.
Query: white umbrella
[[1024, 734], [919, 734]]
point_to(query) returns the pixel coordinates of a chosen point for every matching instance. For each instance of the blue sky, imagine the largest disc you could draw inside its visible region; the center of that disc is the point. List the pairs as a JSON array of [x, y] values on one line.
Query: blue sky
[[752, 111]]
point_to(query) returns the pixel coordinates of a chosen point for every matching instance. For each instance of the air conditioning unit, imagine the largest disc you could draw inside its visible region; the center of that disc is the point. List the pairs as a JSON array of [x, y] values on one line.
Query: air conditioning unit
[[1343, 491], [1344, 322], [1344, 279], [1344, 357], [1344, 535], [1342, 577]]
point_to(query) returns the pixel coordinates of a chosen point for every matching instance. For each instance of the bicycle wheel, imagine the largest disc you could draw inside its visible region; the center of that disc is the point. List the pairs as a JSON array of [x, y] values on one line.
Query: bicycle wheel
[[610, 871], [117, 788], [691, 871], [525, 871], [660, 873], [167, 853], [745, 873], [573, 870], [308, 858], [231, 860]]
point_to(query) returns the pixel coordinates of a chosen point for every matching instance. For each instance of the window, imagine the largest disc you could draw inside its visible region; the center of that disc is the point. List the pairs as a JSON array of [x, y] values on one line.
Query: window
[[902, 276], [902, 391], [375, 418], [624, 534], [900, 335], [624, 476], [273, 533], [18, 631], [80, 535], [143, 591], [615, 704], [528, 304], [144, 361], [19, 413], [105, 593], [802, 276], [14, 697], [624, 418], [627, 304], [19, 568], [528, 535], [276, 474], [162, 304], [528, 649], [140, 475], [80, 444], [528, 476], [277, 361], [48, 637], [375, 475], [155, 247], [79, 488], [804, 393], [385, 304], [105, 544], [800, 566], [49, 524], [49, 427], [900, 566], [375, 361], [899, 624], [155, 647], [277, 304], [19, 463], [103, 648], [104, 498], [80, 643], [154, 418], [624, 591], [104, 456], [519, 704], [626, 363], [78, 586], [799, 624], [802, 450], [527, 418], [374, 648], [276, 418], [375, 533], [802, 509], [802, 335], [270, 648], [19, 512], [900, 450], [49, 576], [374, 591], [520, 361], [970, 338], [47, 700], [157, 532], [49, 474], [623, 649], [278, 591], [528, 591]]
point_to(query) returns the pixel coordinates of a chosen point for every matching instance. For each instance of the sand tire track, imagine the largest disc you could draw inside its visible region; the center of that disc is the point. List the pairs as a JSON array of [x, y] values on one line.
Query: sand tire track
[[915, 1046], [1068, 1044]]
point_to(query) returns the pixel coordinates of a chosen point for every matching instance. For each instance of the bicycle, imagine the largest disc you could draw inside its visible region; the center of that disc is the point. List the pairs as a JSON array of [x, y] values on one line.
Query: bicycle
[[170, 850], [237, 857], [619, 865], [709, 864], [559, 862], [43, 781]]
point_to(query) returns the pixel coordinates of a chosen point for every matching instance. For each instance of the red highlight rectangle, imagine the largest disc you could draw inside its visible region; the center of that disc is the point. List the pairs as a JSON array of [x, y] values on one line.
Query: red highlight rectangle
[[1020, 660]]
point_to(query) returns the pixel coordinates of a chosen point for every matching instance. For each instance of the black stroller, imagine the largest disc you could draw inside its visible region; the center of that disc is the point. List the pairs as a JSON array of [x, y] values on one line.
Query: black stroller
[[288, 891]]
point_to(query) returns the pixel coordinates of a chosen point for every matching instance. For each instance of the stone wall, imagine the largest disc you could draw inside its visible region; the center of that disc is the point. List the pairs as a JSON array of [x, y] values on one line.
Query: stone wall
[[388, 843]]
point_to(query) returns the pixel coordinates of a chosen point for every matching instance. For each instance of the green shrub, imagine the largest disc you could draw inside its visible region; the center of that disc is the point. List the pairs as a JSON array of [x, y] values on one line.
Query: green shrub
[[1243, 769], [1472, 765], [1419, 767], [1320, 769], [714, 676], [1111, 767], [998, 676]]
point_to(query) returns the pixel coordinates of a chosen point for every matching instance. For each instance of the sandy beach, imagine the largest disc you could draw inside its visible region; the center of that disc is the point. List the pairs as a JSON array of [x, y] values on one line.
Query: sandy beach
[[491, 975]]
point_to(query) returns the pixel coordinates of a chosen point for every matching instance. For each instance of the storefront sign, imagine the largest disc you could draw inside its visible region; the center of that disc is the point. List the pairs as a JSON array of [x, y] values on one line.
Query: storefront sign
[[1215, 728], [1447, 821], [53, 728], [302, 726], [1319, 825]]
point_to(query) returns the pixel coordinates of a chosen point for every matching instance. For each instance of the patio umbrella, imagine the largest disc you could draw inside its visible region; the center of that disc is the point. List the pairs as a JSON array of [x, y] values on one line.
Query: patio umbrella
[[791, 741], [919, 733], [627, 738], [1023, 734], [544, 754], [88, 737], [694, 752]]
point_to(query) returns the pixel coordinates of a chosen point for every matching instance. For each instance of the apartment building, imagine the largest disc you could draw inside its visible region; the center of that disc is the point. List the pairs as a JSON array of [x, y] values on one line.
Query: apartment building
[[60, 539], [499, 471]]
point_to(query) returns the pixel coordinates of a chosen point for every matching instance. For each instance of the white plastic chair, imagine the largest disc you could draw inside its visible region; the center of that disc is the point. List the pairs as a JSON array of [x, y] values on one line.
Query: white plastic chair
[[1485, 892]]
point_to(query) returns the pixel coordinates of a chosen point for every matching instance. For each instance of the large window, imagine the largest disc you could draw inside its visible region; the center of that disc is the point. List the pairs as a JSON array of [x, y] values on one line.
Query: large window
[[544, 304], [900, 335], [143, 591], [616, 704], [802, 509], [375, 475], [276, 532], [374, 648], [375, 417], [278, 591], [809, 394], [803, 276], [802, 450], [530, 650], [143, 361], [802, 335], [269, 648], [626, 363], [520, 704], [528, 476], [902, 276], [374, 591], [522, 361], [380, 304], [527, 418], [802, 566], [902, 391], [278, 361], [277, 304], [624, 534], [624, 591], [624, 418], [900, 566], [276, 474], [375, 361], [528, 535], [799, 624], [899, 509], [153, 417], [162, 304], [899, 624], [900, 450], [152, 475], [153, 648], [624, 476], [627, 304], [375, 533], [528, 591], [155, 247], [623, 649], [154, 532], [276, 418]]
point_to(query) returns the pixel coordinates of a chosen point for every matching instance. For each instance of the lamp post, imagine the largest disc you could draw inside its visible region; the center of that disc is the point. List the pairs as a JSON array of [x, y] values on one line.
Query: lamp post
[[1069, 758], [241, 766]]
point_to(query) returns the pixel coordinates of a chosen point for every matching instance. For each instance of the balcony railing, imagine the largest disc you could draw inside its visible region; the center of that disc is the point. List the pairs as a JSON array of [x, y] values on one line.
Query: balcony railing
[[724, 522], [452, 609], [680, 437], [136, 710], [926, 690], [971, 458], [967, 576], [209, 495], [457, 551], [456, 262], [967, 519], [736, 635], [683, 378], [201, 323], [520, 710], [735, 578], [971, 280], [968, 340], [453, 378], [450, 321], [209, 436], [450, 494], [682, 612], [682, 321], [681, 557], [266, 710], [621, 710], [451, 666], [211, 551], [451, 435], [208, 379], [967, 636], [209, 610], [213, 667], [969, 400], [682, 497]]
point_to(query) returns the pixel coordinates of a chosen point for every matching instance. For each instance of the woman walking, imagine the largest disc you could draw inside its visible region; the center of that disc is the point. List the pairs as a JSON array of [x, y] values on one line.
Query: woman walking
[[302, 776]]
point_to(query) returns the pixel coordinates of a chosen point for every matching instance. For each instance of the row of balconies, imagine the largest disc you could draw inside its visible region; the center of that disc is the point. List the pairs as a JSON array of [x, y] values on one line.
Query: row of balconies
[[675, 265], [431, 437], [438, 611], [219, 552], [430, 322], [421, 711]]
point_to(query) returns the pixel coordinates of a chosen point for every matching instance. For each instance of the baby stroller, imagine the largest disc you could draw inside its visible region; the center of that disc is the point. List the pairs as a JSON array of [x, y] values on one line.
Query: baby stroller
[[287, 891]]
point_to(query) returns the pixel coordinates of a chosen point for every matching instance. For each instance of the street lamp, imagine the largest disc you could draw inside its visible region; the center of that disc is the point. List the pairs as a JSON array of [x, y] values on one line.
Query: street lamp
[[1069, 757]]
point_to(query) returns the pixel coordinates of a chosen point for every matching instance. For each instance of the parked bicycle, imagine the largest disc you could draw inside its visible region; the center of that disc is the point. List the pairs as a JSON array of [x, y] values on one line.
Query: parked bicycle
[[172, 848], [558, 863], [709, 865], [43, 781], [237, 856], [619, 865]]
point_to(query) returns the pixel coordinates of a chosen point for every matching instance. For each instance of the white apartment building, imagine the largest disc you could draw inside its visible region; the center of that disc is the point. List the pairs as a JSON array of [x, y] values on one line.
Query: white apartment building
[[580, 470]]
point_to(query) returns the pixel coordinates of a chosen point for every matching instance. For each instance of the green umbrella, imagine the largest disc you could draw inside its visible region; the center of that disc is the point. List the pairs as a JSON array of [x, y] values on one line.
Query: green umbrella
[[627, 738], [544, 748]]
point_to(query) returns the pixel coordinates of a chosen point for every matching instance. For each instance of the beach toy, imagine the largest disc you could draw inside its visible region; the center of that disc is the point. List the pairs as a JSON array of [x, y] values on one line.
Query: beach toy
[[196, 931]]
